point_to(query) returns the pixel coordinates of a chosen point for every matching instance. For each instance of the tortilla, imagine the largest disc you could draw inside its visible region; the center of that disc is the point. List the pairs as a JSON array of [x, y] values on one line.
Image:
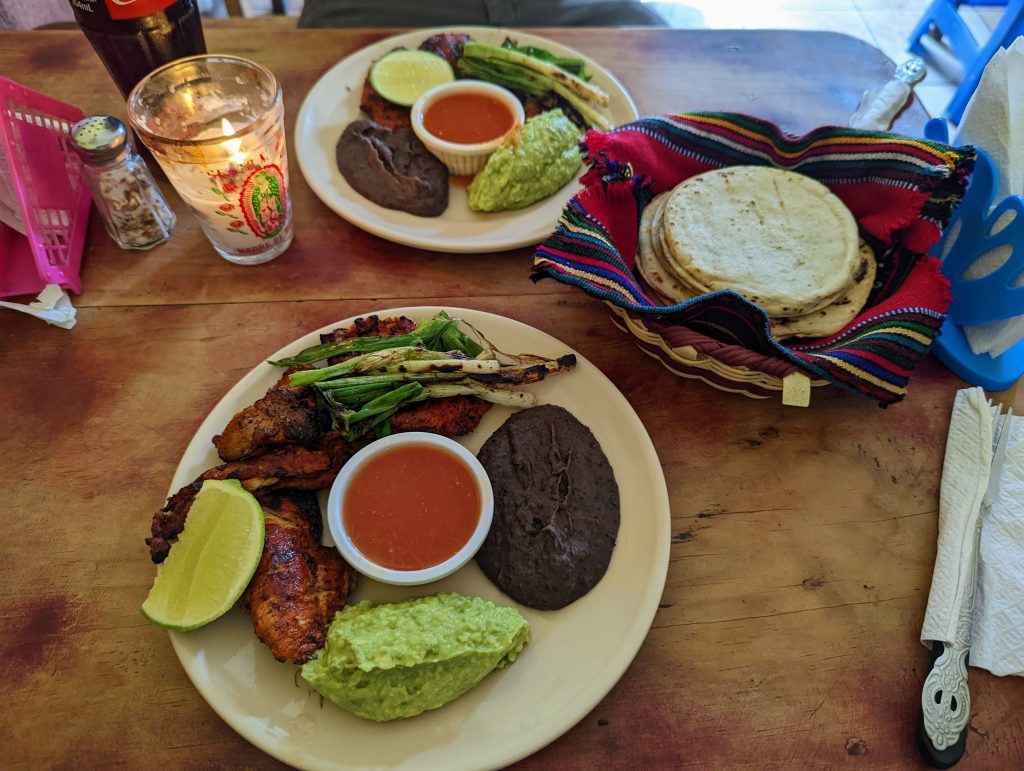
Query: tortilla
[[833, 317], [781, 239], [649, 264]]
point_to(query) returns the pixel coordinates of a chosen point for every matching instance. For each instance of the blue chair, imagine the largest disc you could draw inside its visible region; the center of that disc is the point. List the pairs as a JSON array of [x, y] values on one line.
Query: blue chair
[[944, 17], [970, 235]]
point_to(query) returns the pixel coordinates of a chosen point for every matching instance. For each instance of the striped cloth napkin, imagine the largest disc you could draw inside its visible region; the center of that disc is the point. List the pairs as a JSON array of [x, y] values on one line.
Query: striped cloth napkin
[[902, 190]]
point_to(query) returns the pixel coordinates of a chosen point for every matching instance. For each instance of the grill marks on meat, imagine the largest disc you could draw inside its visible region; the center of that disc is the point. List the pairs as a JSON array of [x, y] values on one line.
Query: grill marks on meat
[[393, 116], [286, 415], [370, 326], [381, 111], [454, 416], [299, 584], [447, 45], [392, 168], [287, 468]]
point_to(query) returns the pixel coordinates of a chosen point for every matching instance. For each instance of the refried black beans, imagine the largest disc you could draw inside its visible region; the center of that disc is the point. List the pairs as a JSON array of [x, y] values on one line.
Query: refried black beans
[[392, 168], [556, 508]]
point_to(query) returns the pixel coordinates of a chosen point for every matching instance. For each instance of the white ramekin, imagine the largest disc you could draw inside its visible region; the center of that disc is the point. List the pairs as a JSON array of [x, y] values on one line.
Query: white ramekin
[[354, 557], [463, 160]]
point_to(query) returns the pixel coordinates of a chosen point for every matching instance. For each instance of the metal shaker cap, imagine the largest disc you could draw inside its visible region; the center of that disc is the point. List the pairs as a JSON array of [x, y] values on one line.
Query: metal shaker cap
[[99, 139]]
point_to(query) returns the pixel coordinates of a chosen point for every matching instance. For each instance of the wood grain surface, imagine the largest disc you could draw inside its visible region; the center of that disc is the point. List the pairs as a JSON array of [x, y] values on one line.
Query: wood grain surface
[[803, 540]]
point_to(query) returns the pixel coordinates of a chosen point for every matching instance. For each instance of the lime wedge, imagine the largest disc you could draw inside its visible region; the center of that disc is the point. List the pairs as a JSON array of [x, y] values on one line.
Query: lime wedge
[[213, 560], [403, 76]]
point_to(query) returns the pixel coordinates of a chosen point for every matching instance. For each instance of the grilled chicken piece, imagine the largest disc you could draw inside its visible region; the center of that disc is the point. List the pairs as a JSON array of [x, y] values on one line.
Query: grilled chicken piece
[[447, 45], [286, 415], [381, 111], [288, 468], [290, 414], [299, 584], [369, 326], [454, 416], [394, 116]]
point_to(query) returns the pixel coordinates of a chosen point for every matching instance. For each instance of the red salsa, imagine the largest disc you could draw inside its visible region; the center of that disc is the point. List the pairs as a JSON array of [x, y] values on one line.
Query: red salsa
[[468, 118], [411, 507]]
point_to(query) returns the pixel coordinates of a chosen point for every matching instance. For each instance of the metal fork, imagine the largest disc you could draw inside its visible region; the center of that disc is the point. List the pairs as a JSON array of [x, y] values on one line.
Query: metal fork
[[945, 698]]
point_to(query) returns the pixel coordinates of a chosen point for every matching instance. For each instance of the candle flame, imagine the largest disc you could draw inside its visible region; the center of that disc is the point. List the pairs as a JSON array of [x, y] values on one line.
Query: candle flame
[[233, 146]]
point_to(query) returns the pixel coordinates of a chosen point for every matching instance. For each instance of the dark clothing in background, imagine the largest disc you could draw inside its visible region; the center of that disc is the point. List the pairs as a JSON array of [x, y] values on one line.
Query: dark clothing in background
[[496, 13]]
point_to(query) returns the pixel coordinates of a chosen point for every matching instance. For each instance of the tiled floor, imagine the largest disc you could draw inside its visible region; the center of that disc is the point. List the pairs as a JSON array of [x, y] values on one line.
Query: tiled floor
[[886, 24]]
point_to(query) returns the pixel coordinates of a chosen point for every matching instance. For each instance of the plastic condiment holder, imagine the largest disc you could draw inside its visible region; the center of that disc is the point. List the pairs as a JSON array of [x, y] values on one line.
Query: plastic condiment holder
[[40, 178], [970, 235]]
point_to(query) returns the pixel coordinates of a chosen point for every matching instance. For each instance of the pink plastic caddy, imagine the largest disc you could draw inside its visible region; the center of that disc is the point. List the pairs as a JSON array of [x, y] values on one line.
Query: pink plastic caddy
[[40, 177]]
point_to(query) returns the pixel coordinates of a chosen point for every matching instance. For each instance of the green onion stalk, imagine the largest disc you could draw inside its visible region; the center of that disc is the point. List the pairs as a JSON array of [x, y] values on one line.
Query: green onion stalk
[[440, 333], [575, 65]]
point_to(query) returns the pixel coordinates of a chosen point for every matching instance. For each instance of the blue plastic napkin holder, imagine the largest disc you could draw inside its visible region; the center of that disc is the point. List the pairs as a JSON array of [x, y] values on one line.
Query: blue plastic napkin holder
[[992, 297]]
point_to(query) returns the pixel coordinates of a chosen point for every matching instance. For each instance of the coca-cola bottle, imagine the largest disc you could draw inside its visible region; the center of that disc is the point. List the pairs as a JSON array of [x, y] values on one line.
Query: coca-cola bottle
[[134, 37]]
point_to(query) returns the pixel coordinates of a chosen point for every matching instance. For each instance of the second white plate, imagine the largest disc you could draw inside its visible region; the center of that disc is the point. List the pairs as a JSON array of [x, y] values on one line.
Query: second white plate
[[333, 103]]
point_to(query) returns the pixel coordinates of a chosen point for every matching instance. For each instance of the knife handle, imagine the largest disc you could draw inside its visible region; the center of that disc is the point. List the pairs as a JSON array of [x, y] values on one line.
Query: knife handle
[[945, 707]]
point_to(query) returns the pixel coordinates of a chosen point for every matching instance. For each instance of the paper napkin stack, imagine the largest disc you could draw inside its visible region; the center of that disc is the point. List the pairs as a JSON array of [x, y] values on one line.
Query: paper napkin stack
[[994, 121], [991, 566]]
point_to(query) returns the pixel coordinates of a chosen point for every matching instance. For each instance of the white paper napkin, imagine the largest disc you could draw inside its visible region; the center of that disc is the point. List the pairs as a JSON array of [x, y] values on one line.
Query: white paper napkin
[[997, 631], [965, 473], [52, 306], [994, 121], [992, 565]]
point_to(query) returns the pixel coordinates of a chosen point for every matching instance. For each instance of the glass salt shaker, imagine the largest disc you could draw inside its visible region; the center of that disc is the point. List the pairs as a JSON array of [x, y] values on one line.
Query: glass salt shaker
[[131, 204]]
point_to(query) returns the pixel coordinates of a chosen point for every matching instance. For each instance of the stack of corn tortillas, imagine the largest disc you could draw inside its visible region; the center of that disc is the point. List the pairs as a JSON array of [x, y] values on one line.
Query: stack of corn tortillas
[[780, 239]]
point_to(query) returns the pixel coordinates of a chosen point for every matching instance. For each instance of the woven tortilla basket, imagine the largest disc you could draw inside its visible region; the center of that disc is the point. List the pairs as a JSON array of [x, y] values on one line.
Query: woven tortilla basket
[[901, 190], [686, 361]]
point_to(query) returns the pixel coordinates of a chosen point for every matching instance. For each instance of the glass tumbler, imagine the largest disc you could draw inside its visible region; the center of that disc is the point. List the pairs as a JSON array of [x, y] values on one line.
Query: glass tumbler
[[215, 124]]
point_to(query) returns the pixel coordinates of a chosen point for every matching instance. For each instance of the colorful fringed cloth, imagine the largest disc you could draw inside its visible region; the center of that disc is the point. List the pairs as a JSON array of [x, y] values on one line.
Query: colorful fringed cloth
[[901, 190]]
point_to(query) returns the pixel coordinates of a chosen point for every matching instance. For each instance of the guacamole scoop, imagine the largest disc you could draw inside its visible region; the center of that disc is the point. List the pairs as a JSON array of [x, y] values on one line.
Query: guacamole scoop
[[388, 661], [531, 164]]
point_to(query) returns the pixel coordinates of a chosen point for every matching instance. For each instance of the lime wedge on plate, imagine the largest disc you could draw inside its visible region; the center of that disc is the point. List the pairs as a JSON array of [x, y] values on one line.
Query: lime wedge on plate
[[404, 76], [213, 560]]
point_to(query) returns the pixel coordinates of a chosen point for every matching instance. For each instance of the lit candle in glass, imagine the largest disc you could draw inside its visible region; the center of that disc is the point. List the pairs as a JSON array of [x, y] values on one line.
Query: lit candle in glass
[[215, 124]]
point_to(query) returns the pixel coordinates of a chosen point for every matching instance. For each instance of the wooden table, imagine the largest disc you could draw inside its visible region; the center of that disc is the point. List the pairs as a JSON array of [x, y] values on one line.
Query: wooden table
[[803, 539]]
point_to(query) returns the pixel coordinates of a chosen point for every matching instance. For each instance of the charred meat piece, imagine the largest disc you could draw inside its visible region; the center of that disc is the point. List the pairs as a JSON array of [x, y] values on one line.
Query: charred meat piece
[[531, 105], [299, 584], [392, 168], [368, 326], [286, 415], [454, 416], [381, 111], [535, 105], [371, 326], [447, 45], [394, 116], [288, 468]]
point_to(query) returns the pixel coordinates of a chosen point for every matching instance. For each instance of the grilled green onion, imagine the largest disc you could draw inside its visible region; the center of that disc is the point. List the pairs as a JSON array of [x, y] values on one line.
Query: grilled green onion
[[424, 335], [363, 363], [381, 407]]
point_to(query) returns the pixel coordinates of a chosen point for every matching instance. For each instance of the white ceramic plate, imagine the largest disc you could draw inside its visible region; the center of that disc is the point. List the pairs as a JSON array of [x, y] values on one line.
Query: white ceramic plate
[[575, 655], [333, 103]]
